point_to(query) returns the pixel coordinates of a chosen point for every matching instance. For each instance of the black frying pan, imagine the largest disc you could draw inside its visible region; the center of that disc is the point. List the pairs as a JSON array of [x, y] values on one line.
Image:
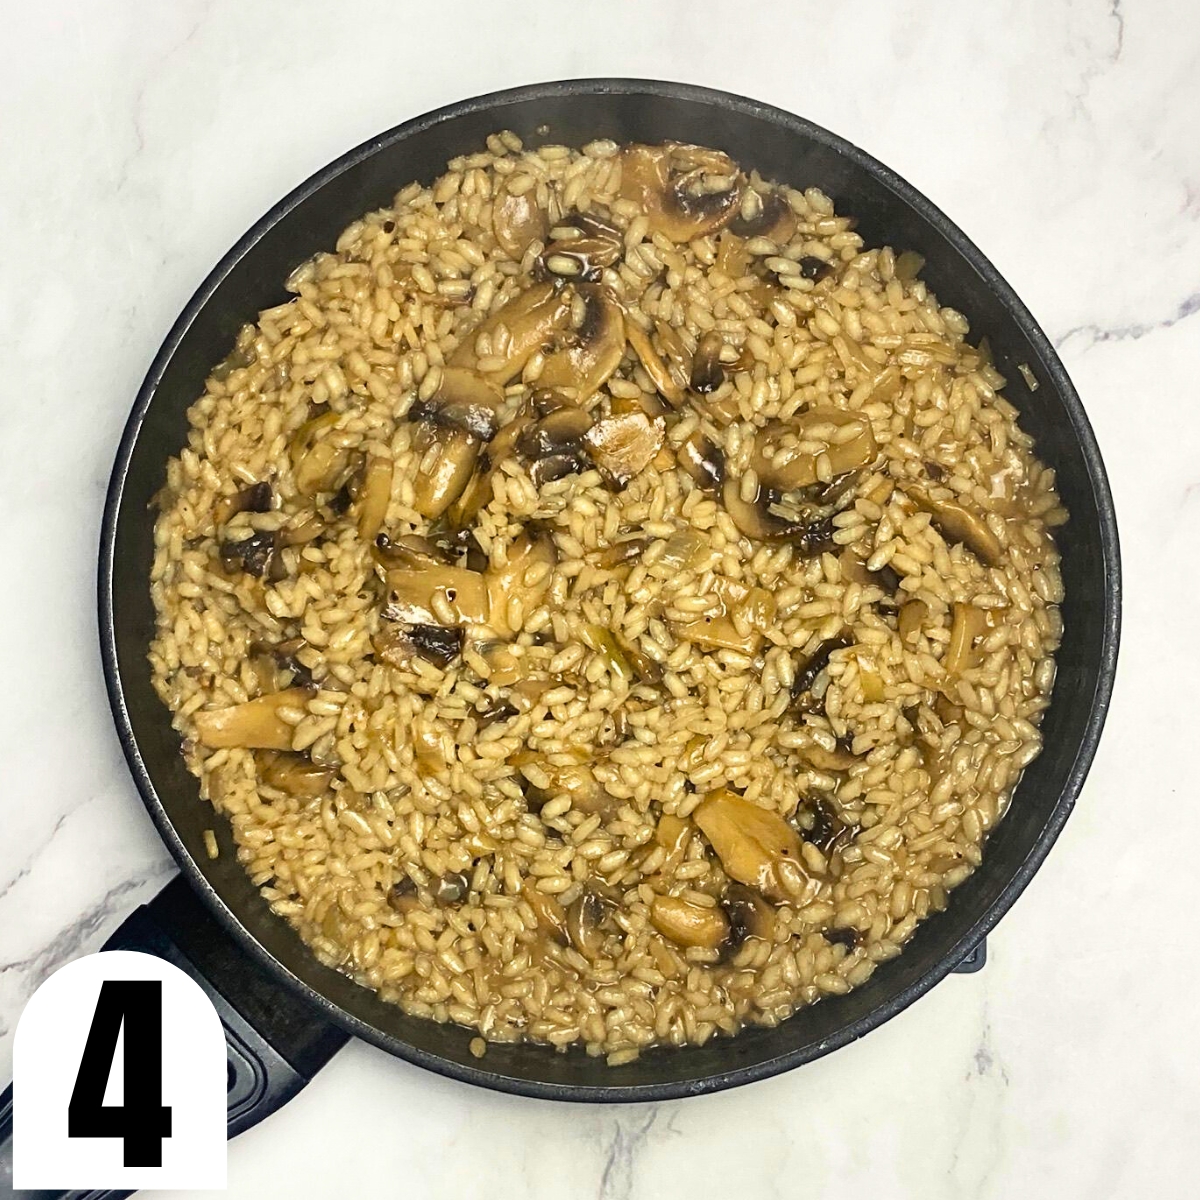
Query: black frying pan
[[287, 1014]]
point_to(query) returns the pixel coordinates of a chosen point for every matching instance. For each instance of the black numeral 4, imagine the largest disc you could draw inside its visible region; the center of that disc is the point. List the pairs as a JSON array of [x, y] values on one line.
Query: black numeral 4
[[141, 1120]]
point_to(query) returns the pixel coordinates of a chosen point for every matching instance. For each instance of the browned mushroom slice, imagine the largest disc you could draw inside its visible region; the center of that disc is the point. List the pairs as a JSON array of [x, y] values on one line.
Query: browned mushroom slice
[[255, 725], [586, 916], [689, 924], [397, 645], [254, 554], [560, 431], [958, 524], [318, 464], [463, 399], [771, 217], [530, 319], [295, 774], [750, 915], [587, 356], [844, 437], [708, 372], [255, 498], [524, 577], [704, 461], [806, 676], [822, 826], [443, 480], [756, 847], [758, 521], [667, 181], [517, 221], [575, 781], [436, 595], [625, 445], [968, 625], [659, 374], [374, 495], [478, 491]]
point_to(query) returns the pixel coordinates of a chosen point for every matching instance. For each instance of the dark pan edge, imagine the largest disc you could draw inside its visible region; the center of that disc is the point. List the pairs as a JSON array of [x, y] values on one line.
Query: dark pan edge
[[1099, 702]]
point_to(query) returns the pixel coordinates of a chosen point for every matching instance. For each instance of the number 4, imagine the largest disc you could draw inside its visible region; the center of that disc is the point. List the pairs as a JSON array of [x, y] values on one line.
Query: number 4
[[141, 1120]]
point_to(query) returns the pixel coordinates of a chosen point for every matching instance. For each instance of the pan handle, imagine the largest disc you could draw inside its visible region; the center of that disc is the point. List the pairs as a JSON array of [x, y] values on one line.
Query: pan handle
[[275, 1043]]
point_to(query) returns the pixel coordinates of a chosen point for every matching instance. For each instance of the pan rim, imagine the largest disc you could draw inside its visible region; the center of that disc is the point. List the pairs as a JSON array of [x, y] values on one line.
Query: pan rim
[[1081, 428]]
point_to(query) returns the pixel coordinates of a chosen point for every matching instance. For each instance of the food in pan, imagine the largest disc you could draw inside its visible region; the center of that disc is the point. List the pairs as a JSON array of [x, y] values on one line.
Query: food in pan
[[610, 603]]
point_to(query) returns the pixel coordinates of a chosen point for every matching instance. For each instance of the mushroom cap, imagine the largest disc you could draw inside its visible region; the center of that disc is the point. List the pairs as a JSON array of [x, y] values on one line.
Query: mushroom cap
[[659, 179]]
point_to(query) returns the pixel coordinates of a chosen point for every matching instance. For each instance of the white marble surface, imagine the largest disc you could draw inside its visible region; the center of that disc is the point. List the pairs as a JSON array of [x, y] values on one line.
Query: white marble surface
[[138, 140]]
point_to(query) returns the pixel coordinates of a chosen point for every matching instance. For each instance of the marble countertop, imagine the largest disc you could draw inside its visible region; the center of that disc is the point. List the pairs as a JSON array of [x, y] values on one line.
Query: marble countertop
[[139, 140]]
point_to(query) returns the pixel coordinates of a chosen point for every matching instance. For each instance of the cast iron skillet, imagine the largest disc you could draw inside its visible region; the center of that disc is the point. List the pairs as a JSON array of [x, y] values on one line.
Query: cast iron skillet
[[304, 1005]]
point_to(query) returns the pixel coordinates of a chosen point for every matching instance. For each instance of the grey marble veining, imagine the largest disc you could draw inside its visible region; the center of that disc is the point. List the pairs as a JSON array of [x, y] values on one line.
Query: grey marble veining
[[138, 140]]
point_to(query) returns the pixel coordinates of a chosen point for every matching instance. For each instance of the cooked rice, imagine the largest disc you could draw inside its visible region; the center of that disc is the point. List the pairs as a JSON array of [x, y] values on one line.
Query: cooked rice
[[424, 787]]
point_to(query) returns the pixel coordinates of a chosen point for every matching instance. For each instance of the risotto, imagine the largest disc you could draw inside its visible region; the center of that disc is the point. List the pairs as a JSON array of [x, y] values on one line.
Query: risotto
[[609, 603]]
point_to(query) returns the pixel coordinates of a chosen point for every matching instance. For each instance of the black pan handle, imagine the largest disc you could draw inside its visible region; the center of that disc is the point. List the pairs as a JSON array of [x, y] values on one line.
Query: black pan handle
[[275, 1043]]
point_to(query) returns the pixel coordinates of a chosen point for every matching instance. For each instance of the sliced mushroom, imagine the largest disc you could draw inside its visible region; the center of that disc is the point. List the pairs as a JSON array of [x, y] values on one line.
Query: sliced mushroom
[[585, 357], [478, 491], [658, 371], [704, 462], [586, 916], [773, 219], [295, 774], [525, 575], [466, 400], [255, 725], [397, 645], [750, 915], [815, 268], [968, 625], [689, 924], [557, 466], [255, 498], [575, 781], [560, 431], [436, 488], [254, 554], [603, 642], [823, 827], [708, 372], [431, 592], [790, 470], [623, 446], [317, 463], [663, 181], [374, 496], [402, 896], [806, 676], [530, 320], [958, 524], [756, 520], [517, 221], [756, 847]]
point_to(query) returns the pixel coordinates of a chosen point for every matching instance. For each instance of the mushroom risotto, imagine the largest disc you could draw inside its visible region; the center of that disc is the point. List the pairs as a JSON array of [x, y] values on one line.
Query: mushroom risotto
[[609, 602]]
